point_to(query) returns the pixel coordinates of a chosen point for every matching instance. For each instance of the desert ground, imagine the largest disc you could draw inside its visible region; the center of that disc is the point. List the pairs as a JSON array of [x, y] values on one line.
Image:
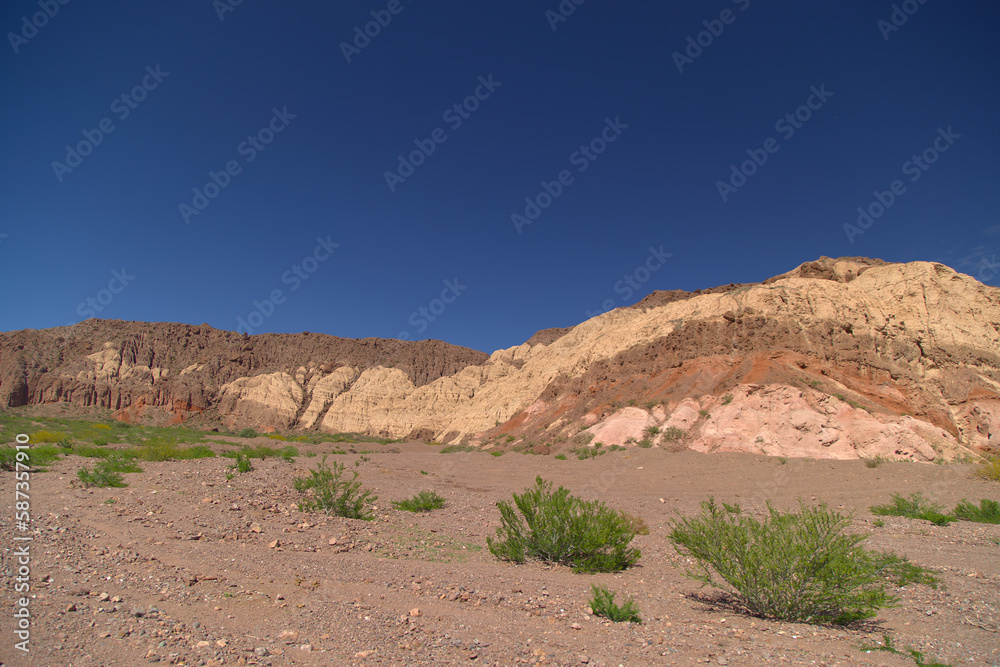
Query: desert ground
[[187, 567]]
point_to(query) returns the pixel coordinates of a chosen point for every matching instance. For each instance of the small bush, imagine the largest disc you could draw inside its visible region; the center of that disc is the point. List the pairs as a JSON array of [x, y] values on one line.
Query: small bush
[[100, 442], [107, 471], [497, 454], [990, 469], [247, 433], [602, 603], [916, 655], [425, 501], [704, 413], [561, 457], [48, 436], [652, 431], [795, 566], [584, 453], [987, 512], [874, 462], [645, 443], [915, 507], [276, 436], [333, 495], [243, 464], [672, 433], [559, 528], [450, 449], [36, 457], [727, 399]]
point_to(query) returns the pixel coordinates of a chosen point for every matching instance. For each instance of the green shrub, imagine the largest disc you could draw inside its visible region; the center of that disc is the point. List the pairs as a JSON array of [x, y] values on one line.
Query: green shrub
[[247, 433], [425, 501], [559, 528], [915, 507], [262, 452], [107, 471], [333, 495], [645, 443], [704, 413], [651, 431], [795, 566], [916, 655], [727, 399], [990, 469], [451, 449], [48, 436], [874, 462], [672, 433], [987, 512], [602, 603], [275, 436], [243, 464], [100, 442], [497, 454], [37, 457]]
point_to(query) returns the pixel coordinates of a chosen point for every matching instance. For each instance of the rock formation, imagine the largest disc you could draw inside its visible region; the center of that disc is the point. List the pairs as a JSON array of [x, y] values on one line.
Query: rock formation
[[838, 358]]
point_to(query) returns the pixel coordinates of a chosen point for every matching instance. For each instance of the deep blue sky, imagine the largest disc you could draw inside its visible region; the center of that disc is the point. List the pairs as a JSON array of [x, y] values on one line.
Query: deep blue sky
[[324, 173]]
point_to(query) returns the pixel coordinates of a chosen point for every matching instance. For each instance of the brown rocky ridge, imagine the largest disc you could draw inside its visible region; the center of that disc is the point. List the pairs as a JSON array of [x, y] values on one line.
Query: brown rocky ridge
[[838, 358]]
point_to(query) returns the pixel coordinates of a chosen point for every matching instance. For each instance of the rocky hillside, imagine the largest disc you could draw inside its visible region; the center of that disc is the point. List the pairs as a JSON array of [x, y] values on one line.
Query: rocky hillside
[[838, 358]]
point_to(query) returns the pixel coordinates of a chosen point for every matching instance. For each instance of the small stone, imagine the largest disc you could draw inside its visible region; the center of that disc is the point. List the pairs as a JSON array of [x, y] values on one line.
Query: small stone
[[363, 654], [576, 626], [221, 643], [70, 608], [662, 500], [415, 611], [138, 612], [255, 527], [583, 659], [261, 651], [203, 644], [306, 647], [116, 599], [274, 544], [103, 597], [288, 636]]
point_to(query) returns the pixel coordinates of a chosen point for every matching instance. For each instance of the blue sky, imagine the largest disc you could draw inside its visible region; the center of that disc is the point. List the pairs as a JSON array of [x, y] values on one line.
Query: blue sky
[[188, 161]]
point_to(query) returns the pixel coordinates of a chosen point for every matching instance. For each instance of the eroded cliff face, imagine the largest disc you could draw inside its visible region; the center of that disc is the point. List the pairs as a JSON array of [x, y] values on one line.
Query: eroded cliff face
[[834, 359]]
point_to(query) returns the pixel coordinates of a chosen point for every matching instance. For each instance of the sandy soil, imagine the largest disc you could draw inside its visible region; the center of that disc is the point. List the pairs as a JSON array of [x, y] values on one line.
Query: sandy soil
[[187, 567]]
